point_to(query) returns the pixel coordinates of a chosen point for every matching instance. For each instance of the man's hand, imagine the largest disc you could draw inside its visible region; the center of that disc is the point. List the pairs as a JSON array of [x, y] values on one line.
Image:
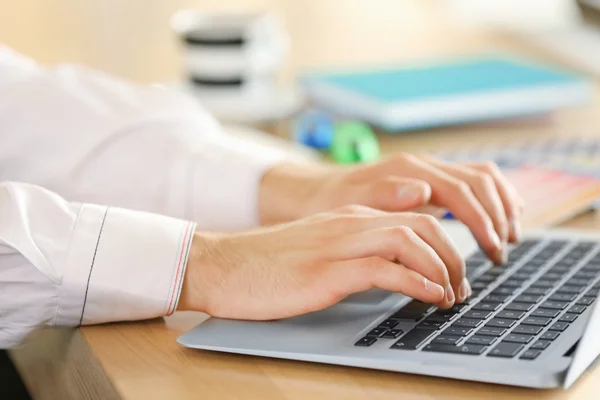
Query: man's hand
[[476, 194], [310, 264]]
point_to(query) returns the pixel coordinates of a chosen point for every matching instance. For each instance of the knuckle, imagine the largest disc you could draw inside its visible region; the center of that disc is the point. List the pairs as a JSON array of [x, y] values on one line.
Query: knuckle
[[427, 221], [402, 233], [484, 180], [490, 167], [460, 187]]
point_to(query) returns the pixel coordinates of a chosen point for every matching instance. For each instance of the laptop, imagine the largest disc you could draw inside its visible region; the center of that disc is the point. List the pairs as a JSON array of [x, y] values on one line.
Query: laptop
[[533, 322]]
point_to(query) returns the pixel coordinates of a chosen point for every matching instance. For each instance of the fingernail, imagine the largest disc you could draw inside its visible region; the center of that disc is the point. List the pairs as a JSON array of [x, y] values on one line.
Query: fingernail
[[450, 294], [494, 238], [463, 291], [410, 193], [434, 288], [515, 226], [504, 254]]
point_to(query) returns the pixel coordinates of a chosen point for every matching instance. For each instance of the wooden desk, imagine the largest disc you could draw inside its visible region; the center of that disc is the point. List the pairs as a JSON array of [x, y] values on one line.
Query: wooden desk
[[142, 360]]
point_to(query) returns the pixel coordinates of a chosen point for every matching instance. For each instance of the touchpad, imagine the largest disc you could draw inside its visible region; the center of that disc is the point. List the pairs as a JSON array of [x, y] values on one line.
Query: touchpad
[[369, 297]]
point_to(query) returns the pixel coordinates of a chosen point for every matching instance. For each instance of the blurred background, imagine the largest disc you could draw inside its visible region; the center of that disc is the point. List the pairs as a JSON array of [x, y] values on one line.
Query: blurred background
[[133, 38]]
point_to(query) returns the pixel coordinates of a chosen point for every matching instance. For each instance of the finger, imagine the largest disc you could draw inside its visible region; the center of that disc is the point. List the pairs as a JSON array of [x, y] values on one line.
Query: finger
[[376, 272], [430, 230], [484, 188], [512, 202], [455, 195], [398, 244], [394, 194], [434, 211]]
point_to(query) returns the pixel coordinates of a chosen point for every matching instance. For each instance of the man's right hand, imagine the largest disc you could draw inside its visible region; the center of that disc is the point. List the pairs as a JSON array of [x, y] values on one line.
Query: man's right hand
[[313, 263]]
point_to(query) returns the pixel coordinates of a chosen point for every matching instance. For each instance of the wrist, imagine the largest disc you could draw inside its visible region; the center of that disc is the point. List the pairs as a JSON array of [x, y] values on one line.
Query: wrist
[[286, 191], [200, 274]]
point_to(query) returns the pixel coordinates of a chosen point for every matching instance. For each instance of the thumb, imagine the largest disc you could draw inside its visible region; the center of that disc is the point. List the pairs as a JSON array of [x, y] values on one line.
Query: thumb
[[397, 194]]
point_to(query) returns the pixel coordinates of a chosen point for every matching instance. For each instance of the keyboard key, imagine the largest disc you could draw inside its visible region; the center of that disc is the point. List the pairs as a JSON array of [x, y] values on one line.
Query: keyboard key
[[482, 306], [482, 340], [559, 326], [540, 344], [495, 271], [557, 272], [538, 321], [529, 269], [554, 275], [501, 323], [527, 330], [477, 314], [458, 308], [493, 298], [457, 331], [570, 289], [506, 349], [467, 323], [528, 298], [366, 341], [578, 282], [467, 349], [517, 338], [510, 314], [388, 323], [530, 354], [537, 291], [442, 316], [550, 335], [427, 324], [519, 306], [585, 301], [487, 278], [577, 309], [479, 285], [542, 312], [562, 297], [586, 275], [568, 317], [415, 310], [413, 339], [512, 283], [392, 334], [593, 292], [377, 332], [521, 275], [554, 305], [546, 284], [445, 339], [491, 331], [500, 291]]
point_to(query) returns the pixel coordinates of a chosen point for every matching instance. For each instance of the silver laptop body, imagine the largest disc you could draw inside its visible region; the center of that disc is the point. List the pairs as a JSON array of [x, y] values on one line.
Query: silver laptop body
[[330, 336]]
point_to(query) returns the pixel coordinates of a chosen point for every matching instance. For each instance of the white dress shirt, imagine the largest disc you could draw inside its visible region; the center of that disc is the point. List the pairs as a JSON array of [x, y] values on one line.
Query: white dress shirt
[[71, 133]]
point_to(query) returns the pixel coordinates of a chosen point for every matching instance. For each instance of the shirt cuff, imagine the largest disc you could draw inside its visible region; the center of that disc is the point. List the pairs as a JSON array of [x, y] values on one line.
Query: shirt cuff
[[123, 265]]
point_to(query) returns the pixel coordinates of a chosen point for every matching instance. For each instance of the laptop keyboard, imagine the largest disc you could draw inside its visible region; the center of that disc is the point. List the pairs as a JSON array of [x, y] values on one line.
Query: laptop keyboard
[[516, 310]]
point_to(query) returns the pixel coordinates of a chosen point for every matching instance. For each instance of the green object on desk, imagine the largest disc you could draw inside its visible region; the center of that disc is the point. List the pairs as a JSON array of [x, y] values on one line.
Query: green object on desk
[[354, 142]]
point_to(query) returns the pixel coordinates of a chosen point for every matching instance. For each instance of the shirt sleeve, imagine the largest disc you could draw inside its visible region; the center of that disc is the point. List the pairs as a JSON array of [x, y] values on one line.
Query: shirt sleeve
[[94, 138], [71, 264]]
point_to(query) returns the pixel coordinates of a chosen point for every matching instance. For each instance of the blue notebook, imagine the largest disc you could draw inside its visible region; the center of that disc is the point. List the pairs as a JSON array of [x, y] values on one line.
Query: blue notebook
[[446, 93]]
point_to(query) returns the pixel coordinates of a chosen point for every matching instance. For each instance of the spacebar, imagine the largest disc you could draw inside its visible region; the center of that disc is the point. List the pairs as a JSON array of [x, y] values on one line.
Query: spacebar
[[413, 339], [471, 349]]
